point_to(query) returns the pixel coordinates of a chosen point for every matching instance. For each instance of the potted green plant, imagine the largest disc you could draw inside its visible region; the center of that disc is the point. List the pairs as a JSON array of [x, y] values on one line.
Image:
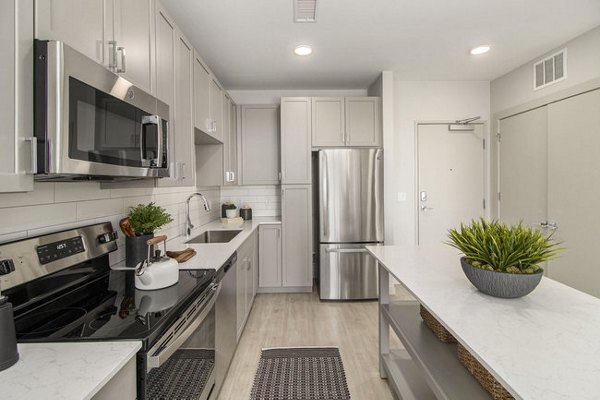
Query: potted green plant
[[501, 260], [144, 220]]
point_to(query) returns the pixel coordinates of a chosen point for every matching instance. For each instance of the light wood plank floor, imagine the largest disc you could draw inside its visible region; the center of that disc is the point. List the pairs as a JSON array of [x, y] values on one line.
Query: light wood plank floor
[[288, 320]]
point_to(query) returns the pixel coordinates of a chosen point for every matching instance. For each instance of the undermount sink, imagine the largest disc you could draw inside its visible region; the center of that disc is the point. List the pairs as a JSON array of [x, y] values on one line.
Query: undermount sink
[[214, 237]]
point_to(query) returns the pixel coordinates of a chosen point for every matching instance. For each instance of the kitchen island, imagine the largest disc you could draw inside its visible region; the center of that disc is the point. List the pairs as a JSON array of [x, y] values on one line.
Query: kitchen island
[[543, 346]]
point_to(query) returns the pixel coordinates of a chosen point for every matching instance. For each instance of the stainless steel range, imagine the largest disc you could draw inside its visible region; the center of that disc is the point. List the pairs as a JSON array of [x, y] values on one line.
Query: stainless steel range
[[63, 289]]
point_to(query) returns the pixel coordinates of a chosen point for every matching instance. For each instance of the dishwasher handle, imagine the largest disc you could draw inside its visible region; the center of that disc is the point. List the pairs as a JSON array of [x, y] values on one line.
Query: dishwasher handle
[[163, 351]]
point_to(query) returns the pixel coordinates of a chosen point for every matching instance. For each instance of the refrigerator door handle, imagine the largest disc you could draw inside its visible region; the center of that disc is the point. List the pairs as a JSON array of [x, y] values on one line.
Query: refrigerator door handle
[[325, 192], [346, 250]]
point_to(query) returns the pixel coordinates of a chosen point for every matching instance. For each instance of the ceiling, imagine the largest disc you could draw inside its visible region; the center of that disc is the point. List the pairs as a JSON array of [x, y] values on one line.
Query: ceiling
[[249, 44]]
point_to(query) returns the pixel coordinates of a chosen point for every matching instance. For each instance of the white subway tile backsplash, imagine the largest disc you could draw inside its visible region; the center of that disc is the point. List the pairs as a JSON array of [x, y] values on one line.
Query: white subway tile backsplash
[[31, 217], [79, 191], [43, 193], [53, 207], [60, 227], [9, 237], [264, 200], [99, 208]]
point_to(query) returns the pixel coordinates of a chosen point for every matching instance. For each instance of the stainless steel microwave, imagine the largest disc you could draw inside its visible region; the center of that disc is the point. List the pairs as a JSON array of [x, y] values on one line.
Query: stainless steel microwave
[[92, 124]]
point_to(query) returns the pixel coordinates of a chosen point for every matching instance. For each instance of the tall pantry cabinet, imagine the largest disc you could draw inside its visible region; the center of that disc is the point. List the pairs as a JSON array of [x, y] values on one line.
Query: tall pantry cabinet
[[296, 193]]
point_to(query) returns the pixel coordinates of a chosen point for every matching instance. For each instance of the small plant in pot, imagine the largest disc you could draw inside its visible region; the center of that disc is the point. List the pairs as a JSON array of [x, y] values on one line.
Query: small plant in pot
[[144, 220], [501, 260]]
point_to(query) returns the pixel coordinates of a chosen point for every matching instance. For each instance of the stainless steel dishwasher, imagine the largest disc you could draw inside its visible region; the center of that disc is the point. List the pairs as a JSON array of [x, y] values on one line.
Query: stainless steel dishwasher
[[225, 320]]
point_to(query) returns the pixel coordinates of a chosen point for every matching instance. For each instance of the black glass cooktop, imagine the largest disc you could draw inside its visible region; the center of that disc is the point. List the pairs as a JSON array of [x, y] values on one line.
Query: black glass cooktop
[[91, 302]]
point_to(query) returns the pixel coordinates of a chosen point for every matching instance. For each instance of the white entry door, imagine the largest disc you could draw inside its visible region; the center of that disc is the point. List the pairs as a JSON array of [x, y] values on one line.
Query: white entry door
[[450, 175]]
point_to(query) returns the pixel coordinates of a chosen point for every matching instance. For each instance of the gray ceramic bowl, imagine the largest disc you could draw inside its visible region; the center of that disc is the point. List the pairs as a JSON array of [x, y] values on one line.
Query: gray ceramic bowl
[[501, 284]]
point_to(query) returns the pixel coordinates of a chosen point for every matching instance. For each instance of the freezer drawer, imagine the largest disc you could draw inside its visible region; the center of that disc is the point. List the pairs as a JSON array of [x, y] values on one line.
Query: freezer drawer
[[347, 272]]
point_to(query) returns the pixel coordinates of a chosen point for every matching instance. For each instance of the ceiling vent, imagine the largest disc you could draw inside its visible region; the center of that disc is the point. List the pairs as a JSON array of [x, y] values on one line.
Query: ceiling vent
[[550, 70], [305, 10]]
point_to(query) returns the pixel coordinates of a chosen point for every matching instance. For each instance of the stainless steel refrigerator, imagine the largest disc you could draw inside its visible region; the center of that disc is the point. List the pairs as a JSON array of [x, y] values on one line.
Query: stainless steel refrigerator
[[350, 199]]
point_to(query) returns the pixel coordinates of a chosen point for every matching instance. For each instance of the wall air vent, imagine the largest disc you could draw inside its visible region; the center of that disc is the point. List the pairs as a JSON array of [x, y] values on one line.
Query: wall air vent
[[305, 10], [550, 70]]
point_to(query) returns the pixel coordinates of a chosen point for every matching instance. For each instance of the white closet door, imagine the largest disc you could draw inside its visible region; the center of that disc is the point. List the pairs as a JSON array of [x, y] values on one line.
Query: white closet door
[[574, 189], [524, 168]]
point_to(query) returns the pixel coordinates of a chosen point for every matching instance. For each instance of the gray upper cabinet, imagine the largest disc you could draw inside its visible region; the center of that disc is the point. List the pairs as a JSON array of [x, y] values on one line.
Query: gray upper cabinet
[[296, 223], [296, 140], [165, 80], [117, 34], [81, 24], [230, 172], [202, 82], [216, 110], [260, 144], [346, 121], [133, 23], [182, 130], [363, 121], [16, 103], [328, 121]]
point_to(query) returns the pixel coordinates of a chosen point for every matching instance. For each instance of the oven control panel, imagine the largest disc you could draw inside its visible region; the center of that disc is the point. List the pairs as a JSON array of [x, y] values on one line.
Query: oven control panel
[[59, 250]]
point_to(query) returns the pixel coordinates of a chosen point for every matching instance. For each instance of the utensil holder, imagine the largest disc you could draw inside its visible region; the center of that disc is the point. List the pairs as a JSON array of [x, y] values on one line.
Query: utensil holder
[[136, 249], [9, 354]]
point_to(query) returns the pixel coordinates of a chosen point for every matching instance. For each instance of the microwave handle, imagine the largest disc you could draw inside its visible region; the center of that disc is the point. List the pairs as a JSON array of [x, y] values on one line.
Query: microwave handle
[[157, 121], [156, 360], [161, 143]]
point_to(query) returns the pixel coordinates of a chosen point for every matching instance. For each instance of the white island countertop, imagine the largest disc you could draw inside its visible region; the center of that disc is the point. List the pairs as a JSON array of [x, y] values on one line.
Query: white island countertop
[[64, 371], [213, 255], [544, 346]]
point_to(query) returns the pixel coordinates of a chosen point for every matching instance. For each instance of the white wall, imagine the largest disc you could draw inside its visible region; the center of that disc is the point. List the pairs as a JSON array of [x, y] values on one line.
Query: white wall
[[53, 207], [274, 96], [419, 102], [583, 64]]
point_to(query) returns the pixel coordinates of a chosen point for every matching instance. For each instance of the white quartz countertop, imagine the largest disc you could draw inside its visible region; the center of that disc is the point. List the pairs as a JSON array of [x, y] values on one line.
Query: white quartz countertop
[[64, 371], [543, 346], [213, 255]]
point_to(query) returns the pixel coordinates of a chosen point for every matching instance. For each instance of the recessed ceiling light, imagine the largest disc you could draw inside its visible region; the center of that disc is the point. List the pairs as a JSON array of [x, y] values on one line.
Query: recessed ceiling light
[[484, 48], [303, 50]]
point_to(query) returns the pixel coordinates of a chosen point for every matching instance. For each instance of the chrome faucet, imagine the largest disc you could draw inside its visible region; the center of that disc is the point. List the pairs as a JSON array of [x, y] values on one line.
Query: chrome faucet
[[188, 223]]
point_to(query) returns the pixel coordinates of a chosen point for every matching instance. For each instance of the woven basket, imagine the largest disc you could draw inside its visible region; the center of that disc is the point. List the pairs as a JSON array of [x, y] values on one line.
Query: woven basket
[[438, 329], [489, 383]]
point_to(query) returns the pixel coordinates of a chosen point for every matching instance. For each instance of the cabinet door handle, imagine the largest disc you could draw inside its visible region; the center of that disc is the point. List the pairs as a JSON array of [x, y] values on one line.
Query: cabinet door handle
[[34, 166], [123, 67]]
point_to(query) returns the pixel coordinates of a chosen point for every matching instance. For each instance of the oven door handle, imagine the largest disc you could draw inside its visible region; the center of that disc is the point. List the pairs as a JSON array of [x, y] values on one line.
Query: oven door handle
[[156, 360]]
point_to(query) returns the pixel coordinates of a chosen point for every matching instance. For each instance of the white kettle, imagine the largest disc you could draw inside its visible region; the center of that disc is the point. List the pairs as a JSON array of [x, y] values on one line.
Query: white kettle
[[158, 271]]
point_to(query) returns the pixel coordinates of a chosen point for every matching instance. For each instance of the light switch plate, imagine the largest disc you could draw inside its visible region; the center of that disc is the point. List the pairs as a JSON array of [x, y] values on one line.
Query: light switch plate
[[402, 196]]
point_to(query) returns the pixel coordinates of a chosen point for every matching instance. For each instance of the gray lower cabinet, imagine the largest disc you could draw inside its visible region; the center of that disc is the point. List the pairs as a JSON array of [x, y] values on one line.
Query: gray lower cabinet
[[121, 386], [296, 223], [246, 269], [16, 103], [226, 325], [260, 144], [269, 254]]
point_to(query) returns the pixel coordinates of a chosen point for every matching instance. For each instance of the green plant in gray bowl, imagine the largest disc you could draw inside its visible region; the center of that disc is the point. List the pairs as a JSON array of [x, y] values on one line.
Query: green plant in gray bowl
[[501, 260]]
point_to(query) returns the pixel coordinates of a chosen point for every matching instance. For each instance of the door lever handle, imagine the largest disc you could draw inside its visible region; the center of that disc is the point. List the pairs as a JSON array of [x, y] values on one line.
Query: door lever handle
[[425, 208]]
